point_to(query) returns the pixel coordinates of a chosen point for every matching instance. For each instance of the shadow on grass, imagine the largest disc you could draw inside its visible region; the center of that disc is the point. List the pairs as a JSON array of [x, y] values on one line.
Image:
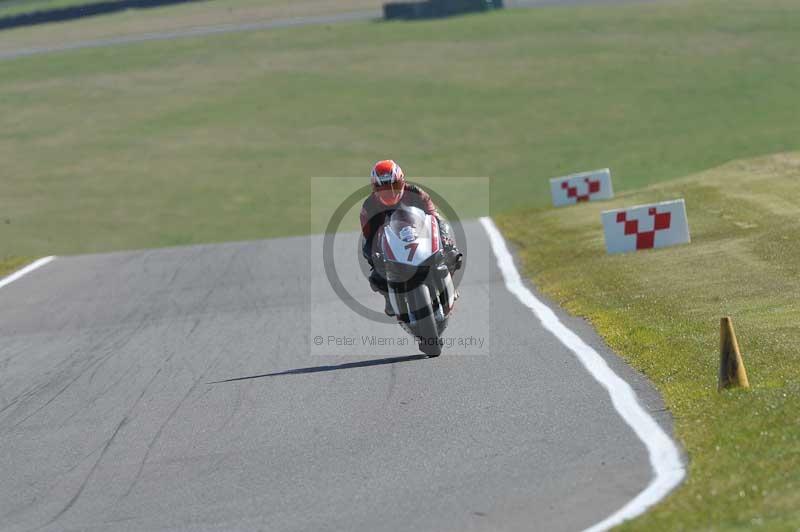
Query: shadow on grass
[[85, 10], [319, 369]]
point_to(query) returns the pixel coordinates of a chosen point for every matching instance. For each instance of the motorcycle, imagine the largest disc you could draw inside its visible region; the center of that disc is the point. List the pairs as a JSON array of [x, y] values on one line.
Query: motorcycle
[[420, 283]]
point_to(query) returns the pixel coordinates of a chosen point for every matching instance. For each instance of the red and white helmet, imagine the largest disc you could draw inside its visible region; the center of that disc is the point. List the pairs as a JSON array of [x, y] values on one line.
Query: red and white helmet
[[388, 182]]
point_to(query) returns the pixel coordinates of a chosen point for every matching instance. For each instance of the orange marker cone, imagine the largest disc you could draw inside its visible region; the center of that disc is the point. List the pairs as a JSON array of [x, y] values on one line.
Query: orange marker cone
[[731, 365]]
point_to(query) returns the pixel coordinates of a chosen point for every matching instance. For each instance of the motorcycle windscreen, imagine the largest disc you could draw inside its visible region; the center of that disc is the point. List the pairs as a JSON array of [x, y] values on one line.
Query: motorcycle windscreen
[[408, 217], [408, 236]]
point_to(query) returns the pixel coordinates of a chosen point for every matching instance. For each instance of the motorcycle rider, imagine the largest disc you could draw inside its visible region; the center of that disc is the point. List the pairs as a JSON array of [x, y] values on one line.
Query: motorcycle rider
[[389, 192]]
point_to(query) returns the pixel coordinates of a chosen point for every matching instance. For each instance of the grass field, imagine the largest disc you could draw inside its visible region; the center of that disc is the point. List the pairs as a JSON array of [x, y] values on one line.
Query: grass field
[[660, 309], [211, 139]]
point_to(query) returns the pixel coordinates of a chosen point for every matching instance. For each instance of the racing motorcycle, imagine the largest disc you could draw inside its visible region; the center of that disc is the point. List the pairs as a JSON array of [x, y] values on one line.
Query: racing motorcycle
[[418, 271]]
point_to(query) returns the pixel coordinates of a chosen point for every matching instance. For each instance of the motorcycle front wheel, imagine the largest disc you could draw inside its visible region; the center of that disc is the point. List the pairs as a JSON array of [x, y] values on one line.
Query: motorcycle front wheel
[[419, 303]]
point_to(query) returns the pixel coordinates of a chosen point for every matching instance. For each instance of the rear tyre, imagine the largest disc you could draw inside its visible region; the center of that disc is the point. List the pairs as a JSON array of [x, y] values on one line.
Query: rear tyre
[[419, 302]]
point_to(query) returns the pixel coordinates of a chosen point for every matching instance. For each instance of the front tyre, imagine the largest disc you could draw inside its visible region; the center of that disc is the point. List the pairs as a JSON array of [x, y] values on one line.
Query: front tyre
[[419, 303]]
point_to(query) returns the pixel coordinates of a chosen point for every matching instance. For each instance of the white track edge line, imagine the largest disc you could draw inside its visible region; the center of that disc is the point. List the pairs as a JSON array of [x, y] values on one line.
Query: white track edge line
[[664, 455], [26, 270]]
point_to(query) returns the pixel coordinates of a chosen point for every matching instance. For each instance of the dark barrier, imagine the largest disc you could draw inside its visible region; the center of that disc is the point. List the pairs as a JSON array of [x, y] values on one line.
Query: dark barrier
[[436, 8], [407, 10], [86, 10]]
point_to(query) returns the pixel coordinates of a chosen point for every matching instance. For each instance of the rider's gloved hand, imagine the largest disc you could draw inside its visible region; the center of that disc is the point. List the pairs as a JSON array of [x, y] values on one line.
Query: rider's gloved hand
[[446, 234]]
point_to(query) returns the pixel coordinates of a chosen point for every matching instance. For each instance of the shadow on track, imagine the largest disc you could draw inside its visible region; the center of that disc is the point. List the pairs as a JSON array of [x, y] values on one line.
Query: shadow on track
[[318, 369]]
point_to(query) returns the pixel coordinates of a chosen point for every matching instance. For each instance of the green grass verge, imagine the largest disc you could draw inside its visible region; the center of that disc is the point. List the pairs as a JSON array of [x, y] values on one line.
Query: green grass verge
[[212, 139], [660, 310], [12, 264]]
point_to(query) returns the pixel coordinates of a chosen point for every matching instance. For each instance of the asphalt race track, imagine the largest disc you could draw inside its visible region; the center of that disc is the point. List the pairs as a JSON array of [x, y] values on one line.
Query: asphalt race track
[[180, 389]]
